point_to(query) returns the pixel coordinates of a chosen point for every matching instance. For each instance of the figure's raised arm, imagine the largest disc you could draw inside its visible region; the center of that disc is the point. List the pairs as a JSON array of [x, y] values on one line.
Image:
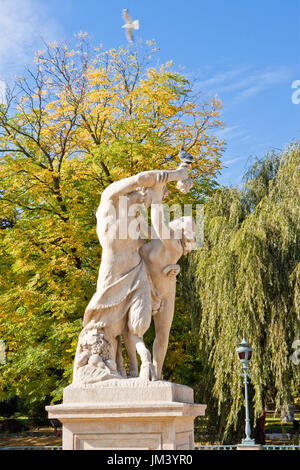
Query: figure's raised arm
[[159, 178], [146, 179], [120, 188], [128, 185]]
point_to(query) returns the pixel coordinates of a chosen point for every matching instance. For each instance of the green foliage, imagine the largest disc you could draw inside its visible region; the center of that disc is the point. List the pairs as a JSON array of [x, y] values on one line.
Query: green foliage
[[246, 280]]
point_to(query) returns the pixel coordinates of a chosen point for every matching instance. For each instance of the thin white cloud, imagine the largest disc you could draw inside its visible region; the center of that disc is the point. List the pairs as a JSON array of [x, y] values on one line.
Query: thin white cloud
[[227, 131], [263, 80], [221, 78], [243, 138], [234, 160], [22, 25], [233, 133], [244, 82]]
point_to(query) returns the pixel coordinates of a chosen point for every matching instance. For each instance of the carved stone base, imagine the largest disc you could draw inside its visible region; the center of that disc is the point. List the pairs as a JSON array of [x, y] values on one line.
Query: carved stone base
[[128, 414]]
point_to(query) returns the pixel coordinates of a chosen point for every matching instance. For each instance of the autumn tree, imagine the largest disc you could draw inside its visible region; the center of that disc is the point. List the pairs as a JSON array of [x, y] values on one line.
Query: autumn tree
[[246, 282], [81, 119]]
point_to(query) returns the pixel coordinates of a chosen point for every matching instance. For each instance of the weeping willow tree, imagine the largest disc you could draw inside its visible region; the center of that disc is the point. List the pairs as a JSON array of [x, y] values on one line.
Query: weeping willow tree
[[247, 284]]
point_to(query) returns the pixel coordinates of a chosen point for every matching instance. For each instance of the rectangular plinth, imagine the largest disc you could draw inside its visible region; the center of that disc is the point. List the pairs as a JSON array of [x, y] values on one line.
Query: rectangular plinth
[[136, 422], [128, 391], [139, 426]]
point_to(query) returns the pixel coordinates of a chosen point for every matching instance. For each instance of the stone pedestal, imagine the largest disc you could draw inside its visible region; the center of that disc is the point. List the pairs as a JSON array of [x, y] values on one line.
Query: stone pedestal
[[128, 414]]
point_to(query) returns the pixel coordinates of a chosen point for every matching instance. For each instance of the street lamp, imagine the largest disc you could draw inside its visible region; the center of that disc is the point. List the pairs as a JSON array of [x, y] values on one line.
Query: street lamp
[[244, 354]]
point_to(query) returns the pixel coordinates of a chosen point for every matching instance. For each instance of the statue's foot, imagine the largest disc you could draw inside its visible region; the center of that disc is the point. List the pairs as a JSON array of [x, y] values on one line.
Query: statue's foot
[[133, 373], [122, 372], [147, 371], [153, 373]]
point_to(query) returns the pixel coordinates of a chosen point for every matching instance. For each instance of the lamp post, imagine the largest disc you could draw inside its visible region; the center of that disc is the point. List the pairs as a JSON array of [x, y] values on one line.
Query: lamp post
[[244, 354]]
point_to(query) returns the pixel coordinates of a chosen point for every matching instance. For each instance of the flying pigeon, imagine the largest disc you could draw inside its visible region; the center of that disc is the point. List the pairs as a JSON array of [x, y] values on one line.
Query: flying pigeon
[[185, 157], [129, 25]]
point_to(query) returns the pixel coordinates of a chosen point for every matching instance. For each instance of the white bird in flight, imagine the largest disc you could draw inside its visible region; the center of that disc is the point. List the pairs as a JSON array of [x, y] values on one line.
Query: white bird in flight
[[129, 25]]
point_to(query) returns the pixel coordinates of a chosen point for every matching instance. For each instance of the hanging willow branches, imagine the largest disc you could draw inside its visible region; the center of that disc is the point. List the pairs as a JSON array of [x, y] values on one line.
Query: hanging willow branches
[[247, 283]]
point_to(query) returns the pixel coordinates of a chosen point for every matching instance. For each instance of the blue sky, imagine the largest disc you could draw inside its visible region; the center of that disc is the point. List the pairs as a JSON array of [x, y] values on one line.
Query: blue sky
[[245, 51]]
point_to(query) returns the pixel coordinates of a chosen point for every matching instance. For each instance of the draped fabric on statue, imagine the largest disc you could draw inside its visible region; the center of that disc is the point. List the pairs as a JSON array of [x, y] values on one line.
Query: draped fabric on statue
[[133, 293]]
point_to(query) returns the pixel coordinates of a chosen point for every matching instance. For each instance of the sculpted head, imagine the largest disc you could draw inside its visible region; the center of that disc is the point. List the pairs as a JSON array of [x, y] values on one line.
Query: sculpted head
[[185, 186], [185, 229], [144, 196], [141, 196]]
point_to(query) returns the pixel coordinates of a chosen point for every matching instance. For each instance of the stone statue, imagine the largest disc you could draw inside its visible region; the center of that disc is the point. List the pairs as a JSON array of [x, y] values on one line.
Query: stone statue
[[136, 280], [103, 408]]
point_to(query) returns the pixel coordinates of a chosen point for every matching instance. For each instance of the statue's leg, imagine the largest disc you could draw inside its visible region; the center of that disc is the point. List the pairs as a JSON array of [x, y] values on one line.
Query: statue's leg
[[120, 360], [147, 371], [139, 320], [114, 349], [162, 321], [131, 351]]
